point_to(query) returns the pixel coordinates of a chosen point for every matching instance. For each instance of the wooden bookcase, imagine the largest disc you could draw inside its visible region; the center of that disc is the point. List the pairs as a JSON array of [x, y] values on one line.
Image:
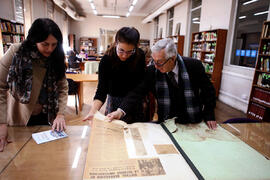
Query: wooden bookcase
[[71, 41], [179, 41], [209, 47], [144, 43], [259, 101], [89, 45], [10, 32]]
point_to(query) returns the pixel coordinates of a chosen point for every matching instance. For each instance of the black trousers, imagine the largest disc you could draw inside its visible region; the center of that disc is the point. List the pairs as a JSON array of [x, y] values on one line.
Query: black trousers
[[40, 119]]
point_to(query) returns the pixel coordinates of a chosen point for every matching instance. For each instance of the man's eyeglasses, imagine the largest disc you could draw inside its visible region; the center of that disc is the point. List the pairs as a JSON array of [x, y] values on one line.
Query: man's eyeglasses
[[122, 51], [160, 64]]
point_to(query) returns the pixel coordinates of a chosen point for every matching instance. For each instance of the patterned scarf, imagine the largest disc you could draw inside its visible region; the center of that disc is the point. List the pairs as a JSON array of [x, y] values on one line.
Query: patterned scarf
[[20, 77], [163, 96]]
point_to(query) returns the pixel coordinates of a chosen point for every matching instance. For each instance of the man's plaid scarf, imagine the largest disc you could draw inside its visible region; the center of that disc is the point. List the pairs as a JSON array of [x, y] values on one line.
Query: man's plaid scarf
[[163, 96]]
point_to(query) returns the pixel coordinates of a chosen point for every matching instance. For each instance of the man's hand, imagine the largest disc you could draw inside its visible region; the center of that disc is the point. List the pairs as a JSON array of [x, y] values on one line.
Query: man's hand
[[211, 124], [59, 123], [3, 137], [115, 114]]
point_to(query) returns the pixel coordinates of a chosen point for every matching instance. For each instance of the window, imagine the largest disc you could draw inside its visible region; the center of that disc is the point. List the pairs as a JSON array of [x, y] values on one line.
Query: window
[[156, 21], [248, 27], [19, 17], [170, 14], [195, 17]]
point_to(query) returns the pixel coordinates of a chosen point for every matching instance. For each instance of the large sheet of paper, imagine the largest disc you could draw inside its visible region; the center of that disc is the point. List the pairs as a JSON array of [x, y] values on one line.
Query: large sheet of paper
[[137, 151], [218, 154]]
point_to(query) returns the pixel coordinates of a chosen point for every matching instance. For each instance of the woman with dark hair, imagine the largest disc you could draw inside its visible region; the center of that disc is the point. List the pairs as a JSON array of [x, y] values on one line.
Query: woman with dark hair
[[33, 86], [121, 69]]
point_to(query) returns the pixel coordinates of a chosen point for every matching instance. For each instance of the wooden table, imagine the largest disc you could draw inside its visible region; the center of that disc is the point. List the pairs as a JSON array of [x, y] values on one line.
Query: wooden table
[[80, 78], [24, 159], [256, 135], [60, 159]]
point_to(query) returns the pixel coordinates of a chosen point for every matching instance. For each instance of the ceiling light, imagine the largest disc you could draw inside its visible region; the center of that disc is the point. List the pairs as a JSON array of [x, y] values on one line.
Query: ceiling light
[[95, 12], [90, 1], [134, 2], [194, 19], [260, 13], [242, 17], [196, 22], [127, 14], [131, 8], [248, 2], [110, 16]]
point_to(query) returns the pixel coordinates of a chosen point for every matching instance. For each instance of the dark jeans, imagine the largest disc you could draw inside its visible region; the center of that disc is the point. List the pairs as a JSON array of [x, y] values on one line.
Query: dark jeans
[[40, 119]]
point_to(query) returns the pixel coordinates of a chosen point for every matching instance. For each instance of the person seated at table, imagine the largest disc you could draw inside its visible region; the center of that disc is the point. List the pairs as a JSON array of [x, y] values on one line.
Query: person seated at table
[[121, 69], [33, 86], [83, 54], [73, 60], [180, 85]]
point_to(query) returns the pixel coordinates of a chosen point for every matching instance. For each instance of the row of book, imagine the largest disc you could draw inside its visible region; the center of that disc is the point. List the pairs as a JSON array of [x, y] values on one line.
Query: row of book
[[205, 36], [208, 67], [204, 47], [266, 48], [264, 80], [261, 96], [264, 64], [257, 111], [12, 38], [11, 27], [266, 31]]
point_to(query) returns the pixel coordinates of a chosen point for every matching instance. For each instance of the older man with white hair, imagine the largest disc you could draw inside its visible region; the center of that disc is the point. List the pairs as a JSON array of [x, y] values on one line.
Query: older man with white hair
[[180, 85]]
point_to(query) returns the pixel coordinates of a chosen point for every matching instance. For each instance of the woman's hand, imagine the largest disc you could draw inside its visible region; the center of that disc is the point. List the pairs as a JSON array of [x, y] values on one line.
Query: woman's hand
[[59, 123], [3, 137], [115, 114], [89, 118]]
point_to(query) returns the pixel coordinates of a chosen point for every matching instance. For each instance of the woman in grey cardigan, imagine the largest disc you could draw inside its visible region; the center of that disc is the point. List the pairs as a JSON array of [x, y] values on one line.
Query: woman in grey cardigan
[[33, 86]]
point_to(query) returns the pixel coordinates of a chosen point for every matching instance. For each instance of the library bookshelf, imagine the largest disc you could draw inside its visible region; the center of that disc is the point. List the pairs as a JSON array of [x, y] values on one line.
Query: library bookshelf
[[10, 32], [259, 101], [89, 45], [209, 47]]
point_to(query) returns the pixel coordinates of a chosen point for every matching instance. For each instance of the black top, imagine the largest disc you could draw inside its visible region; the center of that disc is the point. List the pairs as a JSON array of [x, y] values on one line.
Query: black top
[[117, 78], [74, 62], [204, 92]]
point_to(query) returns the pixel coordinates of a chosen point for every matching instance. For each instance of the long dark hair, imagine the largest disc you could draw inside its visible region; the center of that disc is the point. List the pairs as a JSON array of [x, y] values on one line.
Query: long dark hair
[[38, 32], [129, 35]]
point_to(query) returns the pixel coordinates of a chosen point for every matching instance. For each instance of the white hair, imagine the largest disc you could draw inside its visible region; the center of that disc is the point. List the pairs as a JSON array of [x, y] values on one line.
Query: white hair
[[168, 45]]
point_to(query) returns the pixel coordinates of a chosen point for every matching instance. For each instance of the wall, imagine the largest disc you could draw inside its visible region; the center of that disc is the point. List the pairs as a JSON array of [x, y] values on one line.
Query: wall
[[181, 13], [91, 25], [7, 9], [38, 9], [215, 14]]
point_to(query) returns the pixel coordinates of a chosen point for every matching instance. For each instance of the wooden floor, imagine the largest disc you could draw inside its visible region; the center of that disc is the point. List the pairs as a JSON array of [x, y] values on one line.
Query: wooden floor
[[223, 112]]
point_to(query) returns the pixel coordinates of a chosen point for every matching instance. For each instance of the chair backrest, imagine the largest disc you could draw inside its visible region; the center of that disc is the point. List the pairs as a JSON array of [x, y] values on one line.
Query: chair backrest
[[72, 87]]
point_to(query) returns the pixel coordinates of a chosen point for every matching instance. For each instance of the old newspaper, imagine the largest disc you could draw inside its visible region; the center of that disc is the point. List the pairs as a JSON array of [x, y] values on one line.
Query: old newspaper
[[132, 151]]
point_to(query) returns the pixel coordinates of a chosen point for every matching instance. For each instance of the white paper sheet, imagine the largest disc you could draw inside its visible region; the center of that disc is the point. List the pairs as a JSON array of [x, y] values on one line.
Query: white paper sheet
[[46, 136]]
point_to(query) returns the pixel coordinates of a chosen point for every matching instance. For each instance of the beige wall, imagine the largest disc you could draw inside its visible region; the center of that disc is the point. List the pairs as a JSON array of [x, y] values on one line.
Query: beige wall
[[91, 25], [7, 9], [215, 14]]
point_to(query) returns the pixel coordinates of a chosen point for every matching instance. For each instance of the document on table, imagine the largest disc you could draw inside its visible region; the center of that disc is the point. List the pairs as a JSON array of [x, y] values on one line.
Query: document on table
[[135, 151], [46, 136]]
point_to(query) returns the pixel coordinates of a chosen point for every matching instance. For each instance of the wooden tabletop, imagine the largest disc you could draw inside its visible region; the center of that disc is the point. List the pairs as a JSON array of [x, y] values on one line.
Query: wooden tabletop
[[60, 159], [256, 135], [83, 77], [19, 137]]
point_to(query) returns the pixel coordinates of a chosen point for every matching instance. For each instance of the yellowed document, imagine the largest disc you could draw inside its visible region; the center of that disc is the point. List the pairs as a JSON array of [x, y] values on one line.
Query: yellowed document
[[132, 151]]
